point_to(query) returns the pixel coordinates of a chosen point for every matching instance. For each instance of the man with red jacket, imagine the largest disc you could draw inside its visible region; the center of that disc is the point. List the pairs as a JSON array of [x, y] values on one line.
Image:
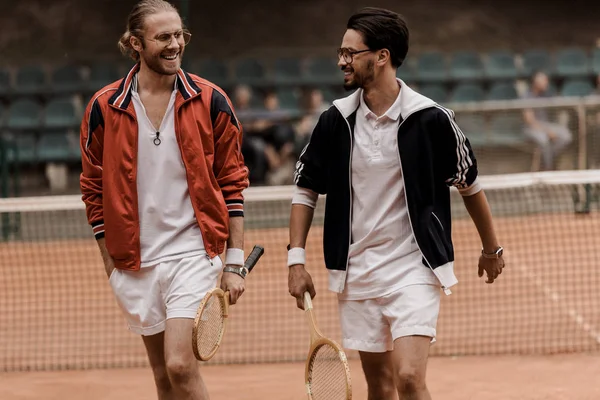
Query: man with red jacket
[[162, 182]]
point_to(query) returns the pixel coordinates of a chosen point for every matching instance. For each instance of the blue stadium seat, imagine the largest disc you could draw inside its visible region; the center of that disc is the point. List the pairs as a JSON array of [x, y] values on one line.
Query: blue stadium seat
[[406, 72], [572, 63], [576, 88], [323, 70], [435, 92], [473, 126], [251, 72], [507, 129], [67, 79], [60, 114], [24, 114], [4, 82], [287, 71], [466, 65], [25, 143], [500, 65], [466, 92], [289, 98], [502, 91], [30, 80], [215, 71], [2, 116], [102, 74], [55, 146], [537, 59], [596, 61], [431, 67]]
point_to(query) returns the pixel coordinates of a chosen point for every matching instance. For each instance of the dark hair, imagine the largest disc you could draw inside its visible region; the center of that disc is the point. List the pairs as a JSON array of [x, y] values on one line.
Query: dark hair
[[382, 29]]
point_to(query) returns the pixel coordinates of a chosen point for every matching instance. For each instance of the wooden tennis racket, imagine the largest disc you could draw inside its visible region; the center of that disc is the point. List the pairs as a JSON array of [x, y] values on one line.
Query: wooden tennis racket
[[327, 374], [211, 317]]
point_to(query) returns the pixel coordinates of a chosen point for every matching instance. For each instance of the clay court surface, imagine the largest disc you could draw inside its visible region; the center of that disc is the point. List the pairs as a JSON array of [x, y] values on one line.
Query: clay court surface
[[531, 335]]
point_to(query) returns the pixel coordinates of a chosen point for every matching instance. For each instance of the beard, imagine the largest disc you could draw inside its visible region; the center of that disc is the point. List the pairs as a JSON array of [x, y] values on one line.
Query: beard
[[360, 78], [160, 65]]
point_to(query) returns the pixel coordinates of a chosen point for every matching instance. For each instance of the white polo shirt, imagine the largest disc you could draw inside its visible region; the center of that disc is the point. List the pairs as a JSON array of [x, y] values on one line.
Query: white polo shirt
[[168, 226], [383, 255]]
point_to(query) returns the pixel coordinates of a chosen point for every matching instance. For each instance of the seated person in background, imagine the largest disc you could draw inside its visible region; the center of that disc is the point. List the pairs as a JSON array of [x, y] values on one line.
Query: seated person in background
[[253, 147], [551, 137], [314, 106]]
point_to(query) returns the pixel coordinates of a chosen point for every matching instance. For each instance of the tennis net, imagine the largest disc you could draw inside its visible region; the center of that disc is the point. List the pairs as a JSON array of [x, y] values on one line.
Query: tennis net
[[58, 311]]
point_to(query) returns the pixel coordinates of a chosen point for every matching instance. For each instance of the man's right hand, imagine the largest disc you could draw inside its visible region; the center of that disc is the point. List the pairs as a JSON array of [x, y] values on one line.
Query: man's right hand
[[299, 281]]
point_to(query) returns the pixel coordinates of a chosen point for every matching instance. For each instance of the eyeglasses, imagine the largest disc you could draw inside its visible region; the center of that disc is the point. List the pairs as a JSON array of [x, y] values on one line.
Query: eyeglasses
[[165, 39], [349, 54]]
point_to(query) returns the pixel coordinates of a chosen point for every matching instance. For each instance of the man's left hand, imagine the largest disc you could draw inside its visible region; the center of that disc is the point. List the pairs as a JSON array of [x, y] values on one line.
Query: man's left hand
[[492, 267], [233, 283]]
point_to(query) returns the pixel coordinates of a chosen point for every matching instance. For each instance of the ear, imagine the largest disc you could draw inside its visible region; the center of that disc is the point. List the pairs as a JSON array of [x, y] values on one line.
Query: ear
[[383, 56], [136, 43]]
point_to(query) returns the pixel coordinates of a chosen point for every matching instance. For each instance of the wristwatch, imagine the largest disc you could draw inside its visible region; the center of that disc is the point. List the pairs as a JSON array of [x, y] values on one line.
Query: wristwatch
[[241, 271], [494, 255]]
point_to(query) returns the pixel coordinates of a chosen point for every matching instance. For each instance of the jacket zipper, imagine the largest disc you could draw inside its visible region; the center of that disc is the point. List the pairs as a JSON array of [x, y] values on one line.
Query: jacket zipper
[[350, 211], [446, 290]]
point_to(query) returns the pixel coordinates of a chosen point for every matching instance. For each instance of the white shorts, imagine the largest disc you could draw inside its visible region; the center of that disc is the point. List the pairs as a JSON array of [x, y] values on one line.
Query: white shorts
[[171, 289], [372, 325]]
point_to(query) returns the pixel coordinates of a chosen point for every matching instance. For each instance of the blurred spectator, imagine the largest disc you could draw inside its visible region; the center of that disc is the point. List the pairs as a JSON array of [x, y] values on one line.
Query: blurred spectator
[[253, 148], [551, 137], [314, 106]]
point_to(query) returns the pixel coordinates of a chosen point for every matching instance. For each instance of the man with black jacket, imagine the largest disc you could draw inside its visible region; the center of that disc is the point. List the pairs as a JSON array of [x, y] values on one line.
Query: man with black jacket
[[385, 156]]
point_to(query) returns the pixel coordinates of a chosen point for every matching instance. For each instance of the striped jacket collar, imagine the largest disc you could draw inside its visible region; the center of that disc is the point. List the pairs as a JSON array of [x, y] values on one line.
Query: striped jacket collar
[[122, 97]]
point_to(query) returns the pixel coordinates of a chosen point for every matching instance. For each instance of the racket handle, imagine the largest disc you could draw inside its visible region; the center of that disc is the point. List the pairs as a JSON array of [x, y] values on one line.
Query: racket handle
[[254, 256], [307, 301]]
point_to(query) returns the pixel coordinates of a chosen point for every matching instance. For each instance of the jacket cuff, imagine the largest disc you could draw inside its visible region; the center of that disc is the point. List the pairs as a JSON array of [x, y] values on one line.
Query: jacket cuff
[[474, 188], [98, 229], [235, 207]]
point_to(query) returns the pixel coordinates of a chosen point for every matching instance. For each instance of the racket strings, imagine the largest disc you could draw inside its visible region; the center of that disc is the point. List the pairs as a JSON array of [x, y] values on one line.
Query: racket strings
[[210, 326], [327, 374]]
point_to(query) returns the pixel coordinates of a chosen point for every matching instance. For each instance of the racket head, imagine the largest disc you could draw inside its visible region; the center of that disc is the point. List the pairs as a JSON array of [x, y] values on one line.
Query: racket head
[[327, 372], [209, 324]]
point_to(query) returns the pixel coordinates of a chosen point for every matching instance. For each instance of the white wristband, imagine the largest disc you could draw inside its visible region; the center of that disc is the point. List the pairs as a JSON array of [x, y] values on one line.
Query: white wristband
[[296, 255], [234, 257]]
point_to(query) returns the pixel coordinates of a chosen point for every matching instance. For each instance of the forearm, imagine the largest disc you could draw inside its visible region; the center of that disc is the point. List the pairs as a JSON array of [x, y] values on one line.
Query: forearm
[[300, 221], [481, 214], [104, 251], [236, 233]]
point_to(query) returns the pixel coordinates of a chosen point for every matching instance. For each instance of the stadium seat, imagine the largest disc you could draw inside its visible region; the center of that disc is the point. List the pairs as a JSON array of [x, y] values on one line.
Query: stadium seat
[[500, 65], [24, 114], [287, 71], [507, 129], [431, 67], [536, 59], [596, 61], [466, 92], [323, 70], [30, 80], [435, 92], [406, 72], [67, 79], [473, 126], [502, 91], [53, 146], [572, 63], [215, 71], [4, 82], [60, 113], [25, 148], [576, 88], [288, 98], [466, 65], [251, 72], [102, 75]]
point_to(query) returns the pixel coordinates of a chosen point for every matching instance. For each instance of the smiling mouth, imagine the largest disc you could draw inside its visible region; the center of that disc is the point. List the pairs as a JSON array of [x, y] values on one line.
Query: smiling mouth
[[171, 57]]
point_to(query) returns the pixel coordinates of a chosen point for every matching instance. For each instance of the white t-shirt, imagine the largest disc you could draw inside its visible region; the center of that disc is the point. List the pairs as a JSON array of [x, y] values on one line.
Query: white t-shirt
[[168, 226]]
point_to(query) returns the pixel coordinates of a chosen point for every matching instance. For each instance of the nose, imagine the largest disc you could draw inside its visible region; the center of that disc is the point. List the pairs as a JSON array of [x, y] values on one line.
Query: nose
[[341, 62], [174, 43]]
